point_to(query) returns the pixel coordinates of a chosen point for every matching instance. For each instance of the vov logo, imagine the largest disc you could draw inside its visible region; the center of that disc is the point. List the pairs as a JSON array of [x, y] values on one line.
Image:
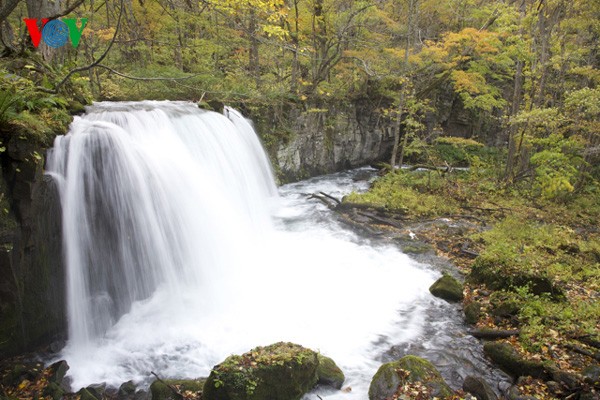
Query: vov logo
[[56, 32]]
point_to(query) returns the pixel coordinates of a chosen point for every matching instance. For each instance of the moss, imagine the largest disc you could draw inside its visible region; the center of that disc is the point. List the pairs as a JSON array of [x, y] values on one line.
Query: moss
[[394, 192], [284, 371], [447, 288], [506, 357], [409, 369], [329, 373], [472, 312], [163, 391]]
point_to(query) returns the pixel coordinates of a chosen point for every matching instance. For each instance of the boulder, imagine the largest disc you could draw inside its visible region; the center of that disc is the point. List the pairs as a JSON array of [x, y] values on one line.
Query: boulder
[[408, 370], [472, 312], [58, 370], [329, 373], [507, 358], [447, 288], [498, 277], [591, 374], [282, 371], [167, 388], [479, 388]]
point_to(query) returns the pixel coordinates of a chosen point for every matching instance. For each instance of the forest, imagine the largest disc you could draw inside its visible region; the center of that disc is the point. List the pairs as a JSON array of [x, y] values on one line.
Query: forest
[[494, 106]]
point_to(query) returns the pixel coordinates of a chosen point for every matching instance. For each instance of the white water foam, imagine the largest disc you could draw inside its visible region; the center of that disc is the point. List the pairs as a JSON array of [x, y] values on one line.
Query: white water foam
[[180, 252]]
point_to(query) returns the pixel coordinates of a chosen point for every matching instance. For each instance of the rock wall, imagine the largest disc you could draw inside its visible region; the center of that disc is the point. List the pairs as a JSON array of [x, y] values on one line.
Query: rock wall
[[315, 140], [32, 289]]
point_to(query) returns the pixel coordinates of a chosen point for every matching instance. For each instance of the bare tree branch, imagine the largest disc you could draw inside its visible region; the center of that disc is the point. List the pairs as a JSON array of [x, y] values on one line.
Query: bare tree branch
[[99, 60], [68, 10], [140, 78], [8, 8]]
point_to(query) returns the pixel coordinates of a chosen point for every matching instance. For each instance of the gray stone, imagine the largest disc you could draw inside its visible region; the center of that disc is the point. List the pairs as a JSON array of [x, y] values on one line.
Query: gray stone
[[479, 388]]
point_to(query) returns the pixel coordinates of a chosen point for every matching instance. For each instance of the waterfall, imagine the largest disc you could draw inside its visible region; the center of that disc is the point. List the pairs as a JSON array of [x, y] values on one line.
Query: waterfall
[[180, 251], [151, 190]]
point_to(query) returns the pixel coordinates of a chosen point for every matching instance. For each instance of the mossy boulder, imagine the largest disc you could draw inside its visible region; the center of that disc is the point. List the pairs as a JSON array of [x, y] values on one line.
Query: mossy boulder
[[407, 370], [329, 373], [281, 371], [472, 312], [511, 362], [164, 389], [497, 276], [447, 288]]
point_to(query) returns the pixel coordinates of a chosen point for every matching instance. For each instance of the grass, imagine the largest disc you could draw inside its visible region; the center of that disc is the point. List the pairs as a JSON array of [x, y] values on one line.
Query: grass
[[544, 255]]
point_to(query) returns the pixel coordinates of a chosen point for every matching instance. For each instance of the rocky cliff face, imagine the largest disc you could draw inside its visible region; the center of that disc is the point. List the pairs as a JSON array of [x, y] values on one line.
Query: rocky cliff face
[[327, 139], [31, 268]]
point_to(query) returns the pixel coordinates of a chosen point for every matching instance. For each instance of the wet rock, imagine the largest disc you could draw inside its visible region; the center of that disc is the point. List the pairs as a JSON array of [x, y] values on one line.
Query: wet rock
[[506, 357], [57, 346], [282, 371], [472, 312], [58, 371], [54, 391], [568, 379], [591, 374], [329, 373], [447, 288], [408, 369], [410, 246], [126, 390], [87, 394], [479, 388], [167, 388]]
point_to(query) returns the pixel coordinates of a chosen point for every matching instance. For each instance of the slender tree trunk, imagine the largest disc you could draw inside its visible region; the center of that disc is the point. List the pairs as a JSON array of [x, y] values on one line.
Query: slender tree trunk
[[516, 105], [296, 46], [253, 60], [412, 6]]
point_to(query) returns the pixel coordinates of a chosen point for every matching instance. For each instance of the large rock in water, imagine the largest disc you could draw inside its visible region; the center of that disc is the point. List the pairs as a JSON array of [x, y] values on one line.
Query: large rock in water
[[281, 371], [447, 288], [329, 373], [407, 370]]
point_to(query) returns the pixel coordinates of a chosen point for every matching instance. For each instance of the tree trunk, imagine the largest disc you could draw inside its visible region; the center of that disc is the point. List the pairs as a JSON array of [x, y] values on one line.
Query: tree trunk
[[412, 6], [42, 9], [516, 105], [253, 61]]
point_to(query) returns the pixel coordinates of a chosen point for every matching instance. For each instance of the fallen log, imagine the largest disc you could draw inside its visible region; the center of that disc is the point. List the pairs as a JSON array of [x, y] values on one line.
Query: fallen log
[[492, 334]]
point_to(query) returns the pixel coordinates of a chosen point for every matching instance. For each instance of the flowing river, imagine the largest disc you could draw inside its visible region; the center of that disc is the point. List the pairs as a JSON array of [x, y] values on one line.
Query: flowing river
[[181, 251]]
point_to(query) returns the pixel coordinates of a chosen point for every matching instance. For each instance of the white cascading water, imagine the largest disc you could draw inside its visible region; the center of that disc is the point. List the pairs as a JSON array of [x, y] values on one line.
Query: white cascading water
[[180, 252]]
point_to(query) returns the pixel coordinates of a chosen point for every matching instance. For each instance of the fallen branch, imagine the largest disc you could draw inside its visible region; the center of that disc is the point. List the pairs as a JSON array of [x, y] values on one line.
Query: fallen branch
[[94, 63], [173, 389], [139, 78], [447, 168], [465, 250], [385, 221], [323, 199], [580, 350], [331, 197], [493, 333], [587, 339]]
